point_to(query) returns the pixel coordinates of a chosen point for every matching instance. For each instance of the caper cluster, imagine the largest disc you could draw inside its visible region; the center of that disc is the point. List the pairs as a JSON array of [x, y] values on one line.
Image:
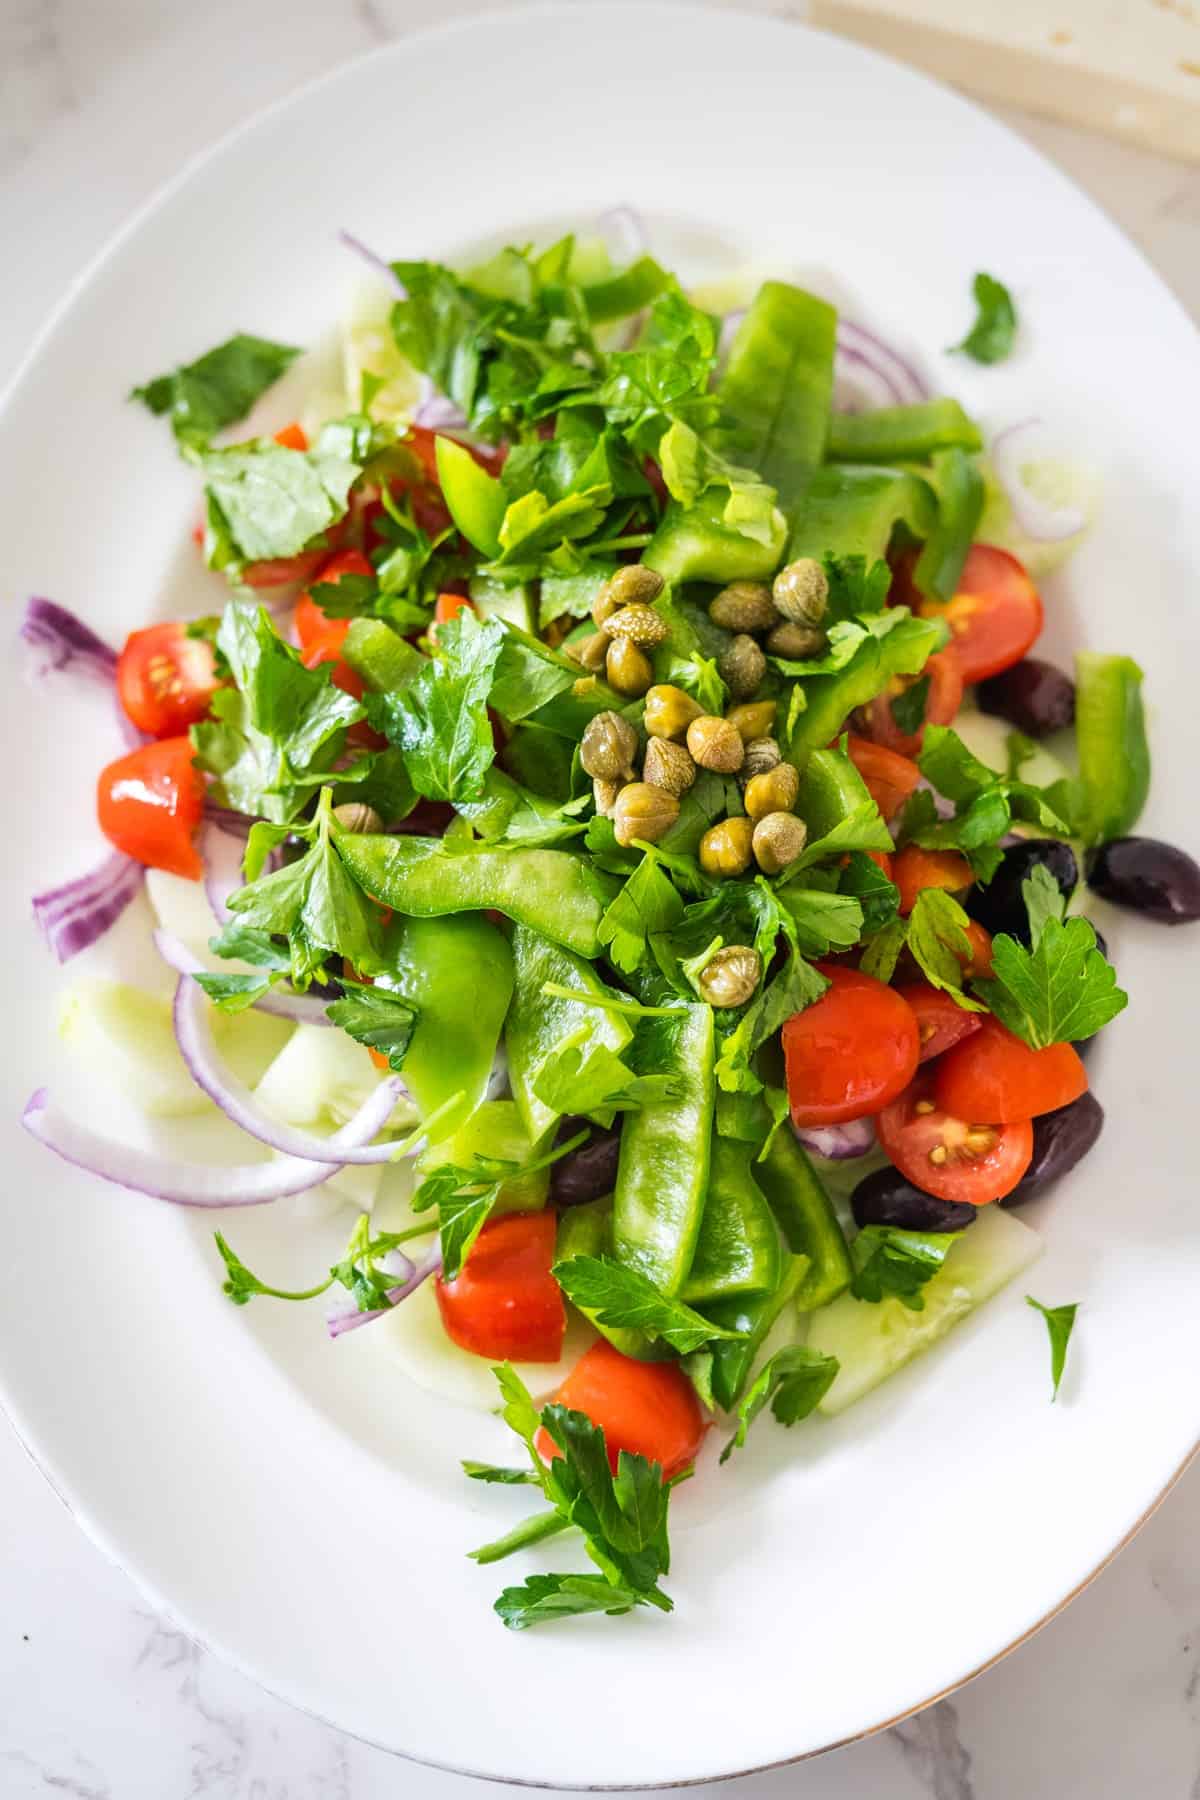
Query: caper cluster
[[789, 615], [627, 628]]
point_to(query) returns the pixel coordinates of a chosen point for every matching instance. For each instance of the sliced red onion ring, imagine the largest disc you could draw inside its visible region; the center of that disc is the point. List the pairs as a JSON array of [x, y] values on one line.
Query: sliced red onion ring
[[302, 1009], [187, 1183], [729, 330], [838, 1142], [59, 640], [233, 824], [1045, 524], [379, 263], [342, 1317], [222, 854], [899, 374], [73, 916], [193, 1034], [624, 232], [860, 384], [439, 413]]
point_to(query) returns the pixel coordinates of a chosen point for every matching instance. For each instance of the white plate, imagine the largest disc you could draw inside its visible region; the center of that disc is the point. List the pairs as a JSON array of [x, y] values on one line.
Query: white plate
[[295, 1503]]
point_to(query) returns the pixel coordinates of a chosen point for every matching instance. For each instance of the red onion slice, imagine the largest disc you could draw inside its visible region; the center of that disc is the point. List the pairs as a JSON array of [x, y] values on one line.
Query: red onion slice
[[282, 1003], [222, 853], [838, 1142], [439, 413], [72, 917], [624, 233], [866, 348], [379, 263], [194, 1036], [343, 1317], [59, 641], [187, 1183], [1045, 524]]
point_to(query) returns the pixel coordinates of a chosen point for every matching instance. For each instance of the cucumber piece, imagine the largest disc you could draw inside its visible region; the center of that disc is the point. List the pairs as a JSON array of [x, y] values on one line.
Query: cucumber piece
[[320, 1079], [369, 348], [492, 599], [872, 1341]]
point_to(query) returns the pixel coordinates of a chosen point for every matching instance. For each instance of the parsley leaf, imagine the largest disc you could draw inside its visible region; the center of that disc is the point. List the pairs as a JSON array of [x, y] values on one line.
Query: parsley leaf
[[219, 388], [1058, 992], [266, 502], [937, 938], [491, 1472], [878, 897], [1060, 1322], [1044, 900], [908, 708], [374, 1017], [986, 803], [572, 1084], [465, 1197], [440, 721], [241, 1285], [795, 1380], [647, 905], [990, 338], [891, 1262], [545, 1597], [619, 1296]]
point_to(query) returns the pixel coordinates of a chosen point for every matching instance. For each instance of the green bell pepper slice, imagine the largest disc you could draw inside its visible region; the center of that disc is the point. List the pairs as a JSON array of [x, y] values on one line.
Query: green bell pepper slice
[[663, 1173], [619, 295], [587, 1231], [738, 1249], [733, 1360], [538, 1023], [850, 511], [458, 973], [495, 1129], [551, 890], [902, 433], [1114, 755], [777, 388], [959, 486], [381, 656], [807, 1220], [475, 500], [831, 790], [830, 699], [694, 544]]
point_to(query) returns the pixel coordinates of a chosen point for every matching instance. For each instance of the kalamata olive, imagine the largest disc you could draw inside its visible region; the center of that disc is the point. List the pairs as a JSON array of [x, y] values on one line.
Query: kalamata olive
[[1034, 696], [885, 1198], [1000, 906], [1060, 1140], [1149, 877], [589, 1172]]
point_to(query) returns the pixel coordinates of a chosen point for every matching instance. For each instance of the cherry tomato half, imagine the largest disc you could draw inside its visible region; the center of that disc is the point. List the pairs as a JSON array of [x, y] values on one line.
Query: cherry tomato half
[[327, 648], [165, 679], [914, 869], [311, 622], [504, 1303], [851, 1051], [282, 571], [649, 1409], [941, 1022], [149, 805], [947, 1156], [942, 701], [995, 616], [890, 778], [980, 940], [998, 1078]]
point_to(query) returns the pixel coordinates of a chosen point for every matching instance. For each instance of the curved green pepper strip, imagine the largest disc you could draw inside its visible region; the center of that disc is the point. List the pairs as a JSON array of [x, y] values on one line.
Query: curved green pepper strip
[[733, 1360], [694, 544], [831, 790], [662, 1176], [587, 1231], [777, 387], [738, 1249], [458, 973], [537, 1023], [619, 295], [959, 485], [847, 511], [475, 500], [829, 699], [551, 890], [806, 1218], [1114, 756], [381, 656], [902, 433]]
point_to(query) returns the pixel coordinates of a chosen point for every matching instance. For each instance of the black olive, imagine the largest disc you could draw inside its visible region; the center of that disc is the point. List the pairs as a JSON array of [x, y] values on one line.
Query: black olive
[[589, 1172], [1149, 877], [886, 1198], [1060, 1140], [1034, 696], [1000, 906]]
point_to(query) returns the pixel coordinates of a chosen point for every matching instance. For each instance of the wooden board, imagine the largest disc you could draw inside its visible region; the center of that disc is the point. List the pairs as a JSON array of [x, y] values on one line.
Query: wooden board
[[1128, 67]]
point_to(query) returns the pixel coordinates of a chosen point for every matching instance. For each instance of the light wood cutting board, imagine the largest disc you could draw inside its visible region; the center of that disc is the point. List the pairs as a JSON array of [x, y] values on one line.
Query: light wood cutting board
[[1128, 67]]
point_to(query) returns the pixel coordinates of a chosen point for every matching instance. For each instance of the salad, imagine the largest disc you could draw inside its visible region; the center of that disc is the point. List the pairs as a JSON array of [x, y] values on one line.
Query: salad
[[613, 834]]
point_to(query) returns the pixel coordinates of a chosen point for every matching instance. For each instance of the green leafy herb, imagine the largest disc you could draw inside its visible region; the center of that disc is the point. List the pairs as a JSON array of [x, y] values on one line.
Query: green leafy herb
[[1060, 1322], [572, 1083], [878, 897], [795, 1380], [647, 905], [619, 1296], [530, 1531], [234, 993], [465, 1196], [266, 502], [358, 1270], [241, 1285], [219, 388], [990, 338], [795, 987], [377, 1018], [491, 1472], [545, 1597], [440, 721], [1044, 900], [1056, 993], [937, 938], [986, 804], [893, 1263], [908, 708]]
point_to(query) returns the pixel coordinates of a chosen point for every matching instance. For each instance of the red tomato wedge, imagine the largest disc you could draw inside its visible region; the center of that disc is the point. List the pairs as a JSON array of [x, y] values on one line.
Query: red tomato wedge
[[942, 701], [851, 1051], [311, 622], [504, 1303], [890, 778], [150, 803], [448, 606], [165, 679], [980, 940], [914, 869], [998, 1078], [649, 1409], [327, 648], [948, 1156], [995, 616], [941, 1022], [292, 437]]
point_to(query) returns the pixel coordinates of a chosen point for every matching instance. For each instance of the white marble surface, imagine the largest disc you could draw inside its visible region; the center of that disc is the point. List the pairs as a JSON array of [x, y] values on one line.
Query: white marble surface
[[100, 101]]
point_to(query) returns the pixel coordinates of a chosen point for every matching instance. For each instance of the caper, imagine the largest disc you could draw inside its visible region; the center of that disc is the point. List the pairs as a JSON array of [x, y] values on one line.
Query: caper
[[778, 840], [608, 747], [630, 585], [604, 795], [753, 720], [715, 744], [796, 642], [741, 666], [801, 591], [669, 766], [589, 651], [744, 606], [762, 754], [669, 711], [357, 816], [731, 976], [773, 792], [643, 811], [640, 624], [725, 849], [629, 669]]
